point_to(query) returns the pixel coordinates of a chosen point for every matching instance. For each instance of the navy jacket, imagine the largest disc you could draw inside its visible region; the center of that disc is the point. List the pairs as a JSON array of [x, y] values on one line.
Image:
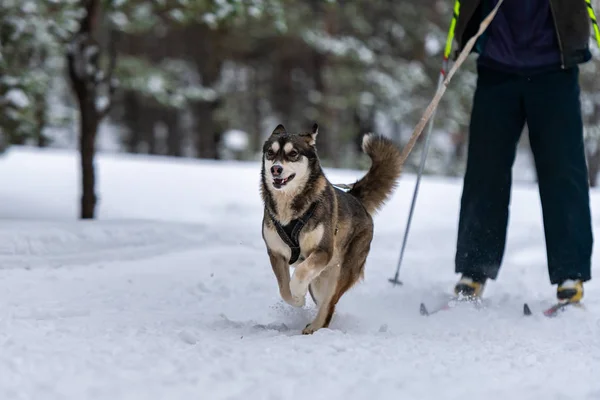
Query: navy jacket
[[527, 34]]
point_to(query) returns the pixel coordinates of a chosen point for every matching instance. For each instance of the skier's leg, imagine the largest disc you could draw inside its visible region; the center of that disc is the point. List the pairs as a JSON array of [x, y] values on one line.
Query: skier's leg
[[497, 120], [556, 134]]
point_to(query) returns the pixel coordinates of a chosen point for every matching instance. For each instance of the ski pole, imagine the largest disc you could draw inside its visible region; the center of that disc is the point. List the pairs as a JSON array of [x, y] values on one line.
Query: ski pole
[[447, 51]]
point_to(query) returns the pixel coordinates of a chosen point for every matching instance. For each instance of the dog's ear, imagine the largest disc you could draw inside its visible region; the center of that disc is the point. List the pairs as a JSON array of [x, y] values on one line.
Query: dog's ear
[[312, 136], [279, 130]]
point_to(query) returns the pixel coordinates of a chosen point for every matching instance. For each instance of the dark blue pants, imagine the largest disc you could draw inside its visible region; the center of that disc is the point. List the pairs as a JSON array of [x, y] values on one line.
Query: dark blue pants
[[549, 103]]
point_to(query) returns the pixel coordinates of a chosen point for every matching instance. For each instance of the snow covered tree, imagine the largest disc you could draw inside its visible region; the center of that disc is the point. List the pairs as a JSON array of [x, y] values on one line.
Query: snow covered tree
[[32, 33], [172, 57]]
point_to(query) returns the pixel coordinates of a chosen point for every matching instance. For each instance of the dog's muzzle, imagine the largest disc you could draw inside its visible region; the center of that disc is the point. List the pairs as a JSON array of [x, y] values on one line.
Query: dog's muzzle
[[278, 183]]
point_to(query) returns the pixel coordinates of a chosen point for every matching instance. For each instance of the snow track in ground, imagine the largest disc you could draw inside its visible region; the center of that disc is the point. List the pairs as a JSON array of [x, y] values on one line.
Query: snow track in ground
[[169, 295], [54, 244]]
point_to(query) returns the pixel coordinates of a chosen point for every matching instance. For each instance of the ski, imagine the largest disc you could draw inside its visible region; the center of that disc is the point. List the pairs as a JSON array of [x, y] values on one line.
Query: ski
[[549, 312], [451, 303], [424, 311], [554, 310]]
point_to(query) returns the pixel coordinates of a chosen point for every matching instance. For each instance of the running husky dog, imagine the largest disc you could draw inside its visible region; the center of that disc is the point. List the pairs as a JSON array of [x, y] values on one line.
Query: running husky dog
[[322, 231]]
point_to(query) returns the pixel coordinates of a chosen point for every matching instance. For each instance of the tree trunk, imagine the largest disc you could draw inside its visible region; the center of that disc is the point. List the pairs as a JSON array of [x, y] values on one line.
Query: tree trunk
[[326, 142], [83, 54], [364, 124], [40, 120], [593, 150], [256, 115], [208, 130], [87, 148], [132, 119], [594, 166], [174, 136]]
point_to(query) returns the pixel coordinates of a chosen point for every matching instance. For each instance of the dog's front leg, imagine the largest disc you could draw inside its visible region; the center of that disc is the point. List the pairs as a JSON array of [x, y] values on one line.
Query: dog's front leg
[[282, 273], [308, 270]]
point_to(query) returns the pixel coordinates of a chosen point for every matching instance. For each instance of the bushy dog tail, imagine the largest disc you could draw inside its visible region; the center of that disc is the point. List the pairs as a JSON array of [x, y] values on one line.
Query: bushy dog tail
[[374, 189]]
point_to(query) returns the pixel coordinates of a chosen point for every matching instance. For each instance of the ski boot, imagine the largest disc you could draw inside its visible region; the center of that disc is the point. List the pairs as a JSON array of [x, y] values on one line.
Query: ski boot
[[469, 289], [569, 294], [570, 291]]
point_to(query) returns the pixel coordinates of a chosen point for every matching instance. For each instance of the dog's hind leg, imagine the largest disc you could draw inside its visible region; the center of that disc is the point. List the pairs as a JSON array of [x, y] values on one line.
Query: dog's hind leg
[[324, 288], [319, 287], [336, 287], [338, 281]]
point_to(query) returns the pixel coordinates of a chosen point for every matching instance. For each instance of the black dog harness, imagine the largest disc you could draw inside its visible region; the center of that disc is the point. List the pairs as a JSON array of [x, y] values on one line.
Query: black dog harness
[[290, 232]]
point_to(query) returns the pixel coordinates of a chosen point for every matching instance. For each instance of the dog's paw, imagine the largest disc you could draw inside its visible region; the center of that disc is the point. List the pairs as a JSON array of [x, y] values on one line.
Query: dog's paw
[[310, 329]]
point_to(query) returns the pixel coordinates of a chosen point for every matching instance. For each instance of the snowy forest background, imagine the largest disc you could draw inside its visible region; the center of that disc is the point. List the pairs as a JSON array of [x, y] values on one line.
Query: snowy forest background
[[210, 79]]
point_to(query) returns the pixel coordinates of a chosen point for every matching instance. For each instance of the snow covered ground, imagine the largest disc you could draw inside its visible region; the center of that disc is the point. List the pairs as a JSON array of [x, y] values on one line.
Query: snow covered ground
[[169, 295]]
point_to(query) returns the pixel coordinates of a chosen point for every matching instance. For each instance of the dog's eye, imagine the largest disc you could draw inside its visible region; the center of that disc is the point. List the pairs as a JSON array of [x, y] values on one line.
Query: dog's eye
[[293, 154], [270, 153]]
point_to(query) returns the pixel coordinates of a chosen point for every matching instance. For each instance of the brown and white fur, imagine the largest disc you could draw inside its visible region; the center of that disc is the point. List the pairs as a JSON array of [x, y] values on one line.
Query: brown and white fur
[[336, 239]]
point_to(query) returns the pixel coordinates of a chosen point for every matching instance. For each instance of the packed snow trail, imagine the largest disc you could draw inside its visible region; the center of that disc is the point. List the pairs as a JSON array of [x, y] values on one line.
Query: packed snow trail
[[169, 295]]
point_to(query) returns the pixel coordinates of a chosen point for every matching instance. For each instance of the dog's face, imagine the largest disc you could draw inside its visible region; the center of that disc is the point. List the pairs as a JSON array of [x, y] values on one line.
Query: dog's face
[[287, 158]]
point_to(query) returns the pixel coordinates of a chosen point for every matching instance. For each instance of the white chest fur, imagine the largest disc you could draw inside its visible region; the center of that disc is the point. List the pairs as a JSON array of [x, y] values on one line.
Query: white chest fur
[[275, 243]]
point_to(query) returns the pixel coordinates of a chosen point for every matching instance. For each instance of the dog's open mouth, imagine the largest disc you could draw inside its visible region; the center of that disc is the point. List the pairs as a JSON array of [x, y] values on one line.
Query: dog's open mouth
[[278, 183]]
